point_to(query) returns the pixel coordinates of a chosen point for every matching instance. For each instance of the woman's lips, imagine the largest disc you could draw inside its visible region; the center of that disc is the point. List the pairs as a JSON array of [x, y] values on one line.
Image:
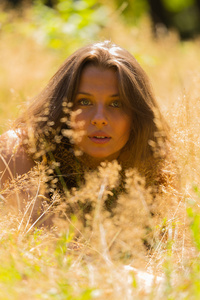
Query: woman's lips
[[99, 138]]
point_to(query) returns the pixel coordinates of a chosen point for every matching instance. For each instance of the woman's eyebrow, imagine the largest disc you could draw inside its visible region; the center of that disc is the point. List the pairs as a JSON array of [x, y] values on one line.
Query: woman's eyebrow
[[88, 94], [84, 93]]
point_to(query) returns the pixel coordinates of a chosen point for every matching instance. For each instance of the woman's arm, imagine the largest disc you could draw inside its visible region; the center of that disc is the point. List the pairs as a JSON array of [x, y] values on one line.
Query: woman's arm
[[14, 160]]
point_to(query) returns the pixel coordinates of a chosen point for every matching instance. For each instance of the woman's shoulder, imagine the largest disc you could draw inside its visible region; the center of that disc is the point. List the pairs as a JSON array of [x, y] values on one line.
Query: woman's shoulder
[[8, 140], [14, 159]]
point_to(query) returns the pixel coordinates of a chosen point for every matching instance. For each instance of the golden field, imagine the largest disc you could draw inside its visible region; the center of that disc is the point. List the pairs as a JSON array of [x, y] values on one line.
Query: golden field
[[107, 261]]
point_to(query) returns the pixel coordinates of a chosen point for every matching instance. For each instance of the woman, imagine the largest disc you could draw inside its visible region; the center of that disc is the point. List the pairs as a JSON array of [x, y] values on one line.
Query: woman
[[99, 105]]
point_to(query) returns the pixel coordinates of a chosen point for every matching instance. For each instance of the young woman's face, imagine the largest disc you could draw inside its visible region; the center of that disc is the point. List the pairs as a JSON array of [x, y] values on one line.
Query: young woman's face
[[106, 124]]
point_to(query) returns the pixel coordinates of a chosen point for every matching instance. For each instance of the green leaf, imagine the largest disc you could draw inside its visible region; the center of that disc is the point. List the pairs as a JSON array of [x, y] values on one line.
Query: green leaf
[[177, 5]]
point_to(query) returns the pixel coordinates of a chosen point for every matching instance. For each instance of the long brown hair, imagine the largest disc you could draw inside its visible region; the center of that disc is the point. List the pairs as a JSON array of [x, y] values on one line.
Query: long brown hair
[[148, 126]]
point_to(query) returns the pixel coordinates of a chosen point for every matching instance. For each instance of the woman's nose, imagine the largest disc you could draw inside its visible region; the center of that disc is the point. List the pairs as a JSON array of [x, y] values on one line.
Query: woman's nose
[[99, 118]]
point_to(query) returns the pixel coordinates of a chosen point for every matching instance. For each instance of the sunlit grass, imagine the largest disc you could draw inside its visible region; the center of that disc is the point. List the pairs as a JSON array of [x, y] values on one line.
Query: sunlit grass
[[42, 264]]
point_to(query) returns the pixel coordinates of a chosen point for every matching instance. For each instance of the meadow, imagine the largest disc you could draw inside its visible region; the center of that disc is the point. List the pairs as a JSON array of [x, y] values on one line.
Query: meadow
[[107, 260]]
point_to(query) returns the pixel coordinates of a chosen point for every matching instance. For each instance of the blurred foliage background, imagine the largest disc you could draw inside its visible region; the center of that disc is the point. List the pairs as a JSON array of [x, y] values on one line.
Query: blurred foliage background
[[180, 14]]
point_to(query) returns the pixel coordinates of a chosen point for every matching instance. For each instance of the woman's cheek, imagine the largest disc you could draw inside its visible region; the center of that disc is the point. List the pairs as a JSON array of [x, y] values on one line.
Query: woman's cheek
[[77, 120]]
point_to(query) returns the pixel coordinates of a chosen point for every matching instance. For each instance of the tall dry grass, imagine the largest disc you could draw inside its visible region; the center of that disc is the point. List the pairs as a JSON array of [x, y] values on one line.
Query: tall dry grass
[[106, 259]]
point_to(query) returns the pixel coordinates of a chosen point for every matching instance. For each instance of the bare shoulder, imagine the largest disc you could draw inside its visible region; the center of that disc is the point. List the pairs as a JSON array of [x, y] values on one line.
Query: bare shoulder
[[14, 159]]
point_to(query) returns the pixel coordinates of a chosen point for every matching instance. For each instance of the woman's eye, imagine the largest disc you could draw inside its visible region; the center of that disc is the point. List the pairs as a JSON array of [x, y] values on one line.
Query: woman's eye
[[116, 103], [84, 102]]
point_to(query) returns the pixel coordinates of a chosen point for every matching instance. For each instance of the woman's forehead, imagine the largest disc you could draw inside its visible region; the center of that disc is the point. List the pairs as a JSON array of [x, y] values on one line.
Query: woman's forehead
[[91, 67], [98, 77]]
